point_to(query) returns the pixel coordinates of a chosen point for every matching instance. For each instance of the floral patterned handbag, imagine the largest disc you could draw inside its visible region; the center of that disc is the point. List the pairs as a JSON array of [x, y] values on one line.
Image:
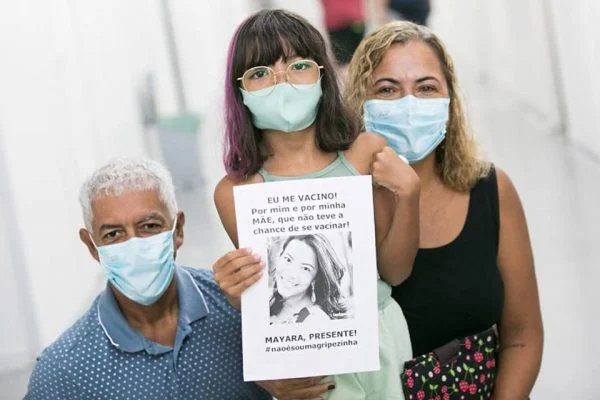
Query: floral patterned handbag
[[462, 369]]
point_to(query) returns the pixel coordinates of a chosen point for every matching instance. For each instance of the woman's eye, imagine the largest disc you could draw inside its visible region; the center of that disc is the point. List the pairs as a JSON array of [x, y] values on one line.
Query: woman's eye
[[385, 91], [287, 259], [427, 89], [307, 269]]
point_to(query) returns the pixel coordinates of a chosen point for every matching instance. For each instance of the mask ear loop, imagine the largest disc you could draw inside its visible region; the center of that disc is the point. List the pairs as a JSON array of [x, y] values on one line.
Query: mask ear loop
[[174, 225], [92, 239]]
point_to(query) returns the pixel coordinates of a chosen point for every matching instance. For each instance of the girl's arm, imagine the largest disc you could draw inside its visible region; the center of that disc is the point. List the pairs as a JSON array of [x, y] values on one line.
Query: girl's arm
[[521, 331], [396, 201], [237, 270]]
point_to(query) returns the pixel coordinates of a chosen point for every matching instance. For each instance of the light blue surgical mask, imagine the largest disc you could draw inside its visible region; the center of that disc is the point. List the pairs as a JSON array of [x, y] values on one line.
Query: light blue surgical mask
[[413, 127], [287, 108], [140, 268]]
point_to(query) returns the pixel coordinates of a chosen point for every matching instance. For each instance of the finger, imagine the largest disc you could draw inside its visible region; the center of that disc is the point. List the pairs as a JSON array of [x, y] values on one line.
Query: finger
[[244, 273], [236, 290], [230, 256], [234, 264], [301, 383], [313, 391]]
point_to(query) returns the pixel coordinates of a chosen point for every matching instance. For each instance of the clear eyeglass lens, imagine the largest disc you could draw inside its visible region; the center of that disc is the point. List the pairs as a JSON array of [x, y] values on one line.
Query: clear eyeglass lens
[[258, 78], [303, 72]]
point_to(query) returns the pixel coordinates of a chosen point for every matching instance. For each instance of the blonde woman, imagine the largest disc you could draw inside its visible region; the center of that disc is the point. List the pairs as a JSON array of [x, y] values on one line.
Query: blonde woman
[[474, 267]]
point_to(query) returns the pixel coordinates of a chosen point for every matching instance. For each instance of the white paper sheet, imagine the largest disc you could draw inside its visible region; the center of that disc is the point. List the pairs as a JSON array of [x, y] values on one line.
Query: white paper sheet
[[314, 311]]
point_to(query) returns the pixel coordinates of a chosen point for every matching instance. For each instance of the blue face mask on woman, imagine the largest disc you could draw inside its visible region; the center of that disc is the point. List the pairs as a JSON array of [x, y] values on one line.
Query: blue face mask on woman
[[413, 127], [140, 268], [287, 108]]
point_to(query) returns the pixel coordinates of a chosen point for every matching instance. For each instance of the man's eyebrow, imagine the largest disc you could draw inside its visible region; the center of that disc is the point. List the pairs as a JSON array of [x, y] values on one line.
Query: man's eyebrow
[[153, 215], [104, 227]]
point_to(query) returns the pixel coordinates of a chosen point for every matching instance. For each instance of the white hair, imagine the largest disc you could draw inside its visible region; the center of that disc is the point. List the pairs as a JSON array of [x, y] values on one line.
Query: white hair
[[124, 176]]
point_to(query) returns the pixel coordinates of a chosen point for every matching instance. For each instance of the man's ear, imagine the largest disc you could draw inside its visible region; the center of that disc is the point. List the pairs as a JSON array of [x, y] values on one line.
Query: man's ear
[[178, 234], [84, 236]]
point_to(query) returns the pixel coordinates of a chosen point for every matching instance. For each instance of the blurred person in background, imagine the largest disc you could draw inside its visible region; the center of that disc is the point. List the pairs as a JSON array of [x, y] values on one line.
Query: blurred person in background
[[474, 268], [345, 24], [416, 11], [158, 330], [285, 120]]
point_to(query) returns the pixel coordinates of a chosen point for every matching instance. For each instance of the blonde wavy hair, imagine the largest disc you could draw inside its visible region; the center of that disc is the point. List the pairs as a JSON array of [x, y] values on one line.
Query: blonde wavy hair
[[458, 161]]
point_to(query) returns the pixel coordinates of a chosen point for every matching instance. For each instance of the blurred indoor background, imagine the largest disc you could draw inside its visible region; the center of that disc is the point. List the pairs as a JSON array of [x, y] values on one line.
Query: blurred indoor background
[[85, 81]]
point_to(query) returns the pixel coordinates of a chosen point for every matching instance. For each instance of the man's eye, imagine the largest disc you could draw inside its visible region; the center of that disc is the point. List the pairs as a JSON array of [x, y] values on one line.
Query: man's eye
[[111, 235], [150, 226]]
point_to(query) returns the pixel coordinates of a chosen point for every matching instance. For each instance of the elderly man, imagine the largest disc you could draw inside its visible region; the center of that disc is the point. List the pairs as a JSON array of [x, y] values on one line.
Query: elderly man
[[158, 330]]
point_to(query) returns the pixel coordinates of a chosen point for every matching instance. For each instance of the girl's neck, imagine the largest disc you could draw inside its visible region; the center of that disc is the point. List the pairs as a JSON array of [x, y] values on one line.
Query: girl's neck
[[294, 153]]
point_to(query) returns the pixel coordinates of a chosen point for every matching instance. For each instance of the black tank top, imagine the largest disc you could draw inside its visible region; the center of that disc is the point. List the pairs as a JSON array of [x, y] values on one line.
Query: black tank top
[[456, 290]]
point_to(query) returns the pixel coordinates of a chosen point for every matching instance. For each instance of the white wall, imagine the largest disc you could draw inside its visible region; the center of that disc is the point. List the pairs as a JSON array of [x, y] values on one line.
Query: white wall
[[577, 28], [69, 85], [68, 103], [18, 335], [505, 45]]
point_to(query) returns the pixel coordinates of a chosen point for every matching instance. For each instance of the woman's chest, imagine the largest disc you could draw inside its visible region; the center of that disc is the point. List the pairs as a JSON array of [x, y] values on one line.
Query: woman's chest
[[443, 215]]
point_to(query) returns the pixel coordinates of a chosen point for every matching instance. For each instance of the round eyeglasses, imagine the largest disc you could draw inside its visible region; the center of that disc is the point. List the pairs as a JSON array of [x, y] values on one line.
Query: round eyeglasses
[[302, 72]]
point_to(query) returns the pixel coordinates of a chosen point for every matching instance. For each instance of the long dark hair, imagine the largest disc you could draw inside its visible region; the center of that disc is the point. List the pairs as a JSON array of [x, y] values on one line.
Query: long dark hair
[[262, 39]]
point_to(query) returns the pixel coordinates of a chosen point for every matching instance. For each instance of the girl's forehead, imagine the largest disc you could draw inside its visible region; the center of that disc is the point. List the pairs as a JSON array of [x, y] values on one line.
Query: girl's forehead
[[269, 52]]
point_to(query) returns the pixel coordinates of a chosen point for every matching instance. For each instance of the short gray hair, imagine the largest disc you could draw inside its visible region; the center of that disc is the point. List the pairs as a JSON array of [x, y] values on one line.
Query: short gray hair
[[127, 175]]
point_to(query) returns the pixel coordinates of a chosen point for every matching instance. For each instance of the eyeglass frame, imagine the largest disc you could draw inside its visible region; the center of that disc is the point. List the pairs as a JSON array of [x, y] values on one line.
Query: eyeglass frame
[[241, 78]]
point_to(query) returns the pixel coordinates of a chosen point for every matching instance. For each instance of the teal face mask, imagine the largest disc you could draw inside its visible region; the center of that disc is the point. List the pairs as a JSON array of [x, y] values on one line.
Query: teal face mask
[[140, 268], [413, 127], [287, 108]]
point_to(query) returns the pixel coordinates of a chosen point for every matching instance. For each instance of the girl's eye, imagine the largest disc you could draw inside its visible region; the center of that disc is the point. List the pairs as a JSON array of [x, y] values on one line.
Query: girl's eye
[[259, 73], [287, 259], [300, 66], [307, 269]]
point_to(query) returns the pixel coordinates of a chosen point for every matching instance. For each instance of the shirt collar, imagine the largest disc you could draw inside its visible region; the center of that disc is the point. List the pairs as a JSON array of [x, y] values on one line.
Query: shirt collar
[[192, 307]]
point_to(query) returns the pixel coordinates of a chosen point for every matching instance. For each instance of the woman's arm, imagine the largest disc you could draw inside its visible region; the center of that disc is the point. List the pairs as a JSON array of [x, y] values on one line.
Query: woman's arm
[[521, 331]]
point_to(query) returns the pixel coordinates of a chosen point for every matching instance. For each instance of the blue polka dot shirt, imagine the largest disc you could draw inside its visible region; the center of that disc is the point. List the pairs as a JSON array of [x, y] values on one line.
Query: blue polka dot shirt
[[102, 357]]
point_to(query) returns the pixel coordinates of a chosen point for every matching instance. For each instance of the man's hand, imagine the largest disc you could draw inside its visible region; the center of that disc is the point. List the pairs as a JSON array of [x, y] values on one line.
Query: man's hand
[[295, 389], [236, 271]]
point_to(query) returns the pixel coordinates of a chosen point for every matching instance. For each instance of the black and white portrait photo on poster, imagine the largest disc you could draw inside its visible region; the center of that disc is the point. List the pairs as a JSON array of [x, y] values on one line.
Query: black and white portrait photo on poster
[[313, 311], [310, 277]]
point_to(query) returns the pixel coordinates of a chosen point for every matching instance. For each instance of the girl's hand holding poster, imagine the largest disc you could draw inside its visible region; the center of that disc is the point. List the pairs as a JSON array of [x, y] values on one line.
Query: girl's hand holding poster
[[315, 312]]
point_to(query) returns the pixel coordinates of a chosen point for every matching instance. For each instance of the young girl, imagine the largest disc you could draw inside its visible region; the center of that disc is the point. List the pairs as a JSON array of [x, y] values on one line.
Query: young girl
[[286, 120]]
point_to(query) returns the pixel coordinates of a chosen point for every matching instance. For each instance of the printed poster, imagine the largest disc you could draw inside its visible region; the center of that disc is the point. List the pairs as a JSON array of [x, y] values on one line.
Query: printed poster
[[314, 310]]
